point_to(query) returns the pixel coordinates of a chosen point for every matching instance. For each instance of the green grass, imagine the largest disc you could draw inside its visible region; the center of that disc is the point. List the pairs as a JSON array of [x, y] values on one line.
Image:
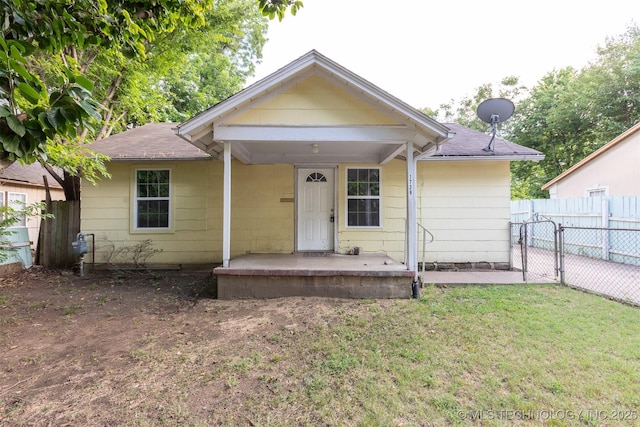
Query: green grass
[[70, 310], [482, 355], [490, 352]]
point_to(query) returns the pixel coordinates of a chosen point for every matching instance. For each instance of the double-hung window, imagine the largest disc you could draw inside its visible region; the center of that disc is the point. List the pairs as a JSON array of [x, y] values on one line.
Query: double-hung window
[[152, 199], [17, 202], [363, 197]]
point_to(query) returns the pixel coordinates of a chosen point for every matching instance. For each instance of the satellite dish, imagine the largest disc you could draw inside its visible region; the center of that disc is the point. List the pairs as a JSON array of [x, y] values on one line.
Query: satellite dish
[[494, 111]]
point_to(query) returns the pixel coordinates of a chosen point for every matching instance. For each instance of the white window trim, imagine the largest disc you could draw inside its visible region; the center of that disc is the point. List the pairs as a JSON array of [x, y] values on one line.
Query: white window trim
[[597, 188], [3, 202], [347, 197], [135, 200], [23, 220]]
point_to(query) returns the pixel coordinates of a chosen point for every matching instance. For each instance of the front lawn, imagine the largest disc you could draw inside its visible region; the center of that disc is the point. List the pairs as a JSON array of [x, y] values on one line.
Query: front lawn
[[145, 352]]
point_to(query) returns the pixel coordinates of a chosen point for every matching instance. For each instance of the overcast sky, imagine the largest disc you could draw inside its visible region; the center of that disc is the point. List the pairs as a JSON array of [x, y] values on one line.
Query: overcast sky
[[427, 52]]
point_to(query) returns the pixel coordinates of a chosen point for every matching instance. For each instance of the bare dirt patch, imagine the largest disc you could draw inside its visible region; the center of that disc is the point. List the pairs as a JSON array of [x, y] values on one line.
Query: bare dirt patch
[[143, 349], [151, 350]]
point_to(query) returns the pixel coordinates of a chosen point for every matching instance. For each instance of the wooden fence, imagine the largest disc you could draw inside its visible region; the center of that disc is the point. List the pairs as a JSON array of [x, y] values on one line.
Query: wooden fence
[[57, 234]]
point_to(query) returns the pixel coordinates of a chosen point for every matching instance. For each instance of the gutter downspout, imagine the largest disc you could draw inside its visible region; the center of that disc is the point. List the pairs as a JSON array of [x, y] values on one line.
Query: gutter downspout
[[412, 213], [226, 210], [412, 221]]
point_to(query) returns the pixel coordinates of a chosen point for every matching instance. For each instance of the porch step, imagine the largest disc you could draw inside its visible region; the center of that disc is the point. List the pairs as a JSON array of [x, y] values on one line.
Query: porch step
[[336, 276]]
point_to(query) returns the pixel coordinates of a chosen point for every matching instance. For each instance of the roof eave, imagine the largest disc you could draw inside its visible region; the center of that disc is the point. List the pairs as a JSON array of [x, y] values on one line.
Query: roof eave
[[307, 61], [510, 158], [158, 159], [397, 105], [247, 94]]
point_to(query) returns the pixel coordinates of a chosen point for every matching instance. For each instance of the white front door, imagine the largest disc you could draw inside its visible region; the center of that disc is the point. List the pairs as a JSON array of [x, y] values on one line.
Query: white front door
[[315, 209]]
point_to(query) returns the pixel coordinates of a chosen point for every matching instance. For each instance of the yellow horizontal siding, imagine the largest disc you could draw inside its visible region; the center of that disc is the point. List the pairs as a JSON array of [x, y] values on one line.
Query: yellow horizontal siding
[[313, 101], [465, 206], [97, 222], [260, 221], [107, 211], [388, 239]]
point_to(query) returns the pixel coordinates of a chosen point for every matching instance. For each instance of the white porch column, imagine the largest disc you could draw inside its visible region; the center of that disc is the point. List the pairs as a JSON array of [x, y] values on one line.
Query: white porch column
[[412, 220], [226, 207]]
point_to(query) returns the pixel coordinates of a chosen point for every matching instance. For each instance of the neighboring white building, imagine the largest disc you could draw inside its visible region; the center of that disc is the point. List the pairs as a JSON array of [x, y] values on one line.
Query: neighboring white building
[[24, 185], [612, 170]]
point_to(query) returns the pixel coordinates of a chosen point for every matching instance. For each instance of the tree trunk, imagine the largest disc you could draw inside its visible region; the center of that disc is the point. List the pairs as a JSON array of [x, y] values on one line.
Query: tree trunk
[[71, 187]]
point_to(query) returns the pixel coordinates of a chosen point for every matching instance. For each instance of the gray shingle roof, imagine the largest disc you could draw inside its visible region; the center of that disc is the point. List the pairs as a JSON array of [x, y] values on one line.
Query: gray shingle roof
[[153, 141], [157, 141], [30, 174], [469, 142]]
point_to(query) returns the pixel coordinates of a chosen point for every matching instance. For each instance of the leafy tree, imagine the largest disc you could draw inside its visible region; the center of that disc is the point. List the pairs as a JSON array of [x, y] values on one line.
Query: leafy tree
[[30, 114], [464, 111], [567, 115], [612, 83], [543, 122], [570, 113], [194, 68], [273, 8], [116, 39], [33, 113]]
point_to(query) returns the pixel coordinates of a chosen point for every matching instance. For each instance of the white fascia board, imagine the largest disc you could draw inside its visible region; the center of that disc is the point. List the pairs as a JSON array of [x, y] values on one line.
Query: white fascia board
[[315, 159], [510, 158], [301, 68], [248, 94], [396, 105], [383, 134], [151, 159]]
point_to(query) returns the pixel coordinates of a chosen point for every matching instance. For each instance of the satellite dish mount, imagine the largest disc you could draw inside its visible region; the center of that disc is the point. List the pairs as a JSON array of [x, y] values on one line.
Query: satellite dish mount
[[494, 111]]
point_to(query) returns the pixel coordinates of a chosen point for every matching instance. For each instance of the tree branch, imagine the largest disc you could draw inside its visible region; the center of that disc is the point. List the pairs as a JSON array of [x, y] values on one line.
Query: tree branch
[[111, 92], [87, 60], [53, 173], [105, 124]]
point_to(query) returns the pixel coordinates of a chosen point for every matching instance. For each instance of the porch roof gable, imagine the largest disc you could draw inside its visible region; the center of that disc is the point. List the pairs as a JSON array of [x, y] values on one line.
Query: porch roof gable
[[294, 143]]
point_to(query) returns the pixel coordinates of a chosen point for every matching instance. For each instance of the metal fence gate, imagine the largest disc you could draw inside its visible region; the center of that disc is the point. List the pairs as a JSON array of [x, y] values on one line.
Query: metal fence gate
[[535, 250], [605, 261]]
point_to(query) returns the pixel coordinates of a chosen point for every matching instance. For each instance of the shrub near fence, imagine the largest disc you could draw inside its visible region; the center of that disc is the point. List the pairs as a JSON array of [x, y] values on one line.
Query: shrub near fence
[[613, 223]]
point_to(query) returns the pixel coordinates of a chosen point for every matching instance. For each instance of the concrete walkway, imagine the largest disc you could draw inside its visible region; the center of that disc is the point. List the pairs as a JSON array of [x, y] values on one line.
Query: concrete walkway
[[612, 279]]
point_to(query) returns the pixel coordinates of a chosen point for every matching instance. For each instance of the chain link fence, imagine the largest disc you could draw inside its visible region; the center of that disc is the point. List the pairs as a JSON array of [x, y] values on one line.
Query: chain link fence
[[605, 261], [602, 260], [535, 249]]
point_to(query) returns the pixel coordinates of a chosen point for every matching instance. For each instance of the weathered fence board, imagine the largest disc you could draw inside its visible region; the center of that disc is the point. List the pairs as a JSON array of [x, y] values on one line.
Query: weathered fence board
[[57, 233]]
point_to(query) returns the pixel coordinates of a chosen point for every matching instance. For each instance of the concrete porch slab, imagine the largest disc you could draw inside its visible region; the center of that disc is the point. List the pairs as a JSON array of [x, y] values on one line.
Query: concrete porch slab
[[328, 275], [338, 276]]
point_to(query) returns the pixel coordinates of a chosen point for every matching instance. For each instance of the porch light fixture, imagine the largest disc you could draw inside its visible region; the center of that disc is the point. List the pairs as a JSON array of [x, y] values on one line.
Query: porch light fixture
[[314, 148]]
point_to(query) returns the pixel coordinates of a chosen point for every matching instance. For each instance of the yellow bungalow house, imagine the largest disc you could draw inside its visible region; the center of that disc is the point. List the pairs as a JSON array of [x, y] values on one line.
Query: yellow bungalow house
[[312, 160]]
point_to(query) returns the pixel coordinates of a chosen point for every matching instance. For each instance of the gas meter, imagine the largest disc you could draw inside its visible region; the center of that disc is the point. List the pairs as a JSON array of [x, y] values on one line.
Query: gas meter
[[79, 246]]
